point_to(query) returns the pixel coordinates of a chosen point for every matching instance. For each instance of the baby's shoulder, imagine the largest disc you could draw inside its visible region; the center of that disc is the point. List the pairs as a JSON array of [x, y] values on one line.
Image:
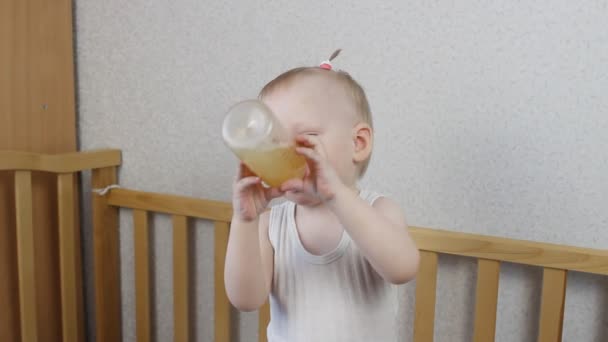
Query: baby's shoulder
[[387, 206]]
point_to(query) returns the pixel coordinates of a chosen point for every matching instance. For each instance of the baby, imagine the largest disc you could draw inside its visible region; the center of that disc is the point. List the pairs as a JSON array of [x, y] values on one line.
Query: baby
[[329, 257]]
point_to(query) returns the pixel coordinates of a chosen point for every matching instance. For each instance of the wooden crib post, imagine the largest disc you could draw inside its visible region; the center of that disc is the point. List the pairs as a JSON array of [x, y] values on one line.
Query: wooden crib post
[[552, 305], [143, 297], [486, 300], [69, 261], [222, 305], [106, 260], [426, 291], [263, 320], [181, 280], [25, 256]]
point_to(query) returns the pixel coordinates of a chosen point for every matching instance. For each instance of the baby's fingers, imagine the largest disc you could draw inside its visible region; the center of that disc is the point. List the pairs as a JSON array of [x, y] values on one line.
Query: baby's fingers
[[305, 140], [310, 154], [245, 183], [311, 142], [273, 193], [295, 185]]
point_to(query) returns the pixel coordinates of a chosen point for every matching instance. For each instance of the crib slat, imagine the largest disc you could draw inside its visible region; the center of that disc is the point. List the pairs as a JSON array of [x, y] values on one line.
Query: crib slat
[[25, 256], [106, 254], [68, 256], [486, 300], [426, 285], [222, 305], [181, 290], [552, 305], [142, 274], [108, 323], [263, 320]]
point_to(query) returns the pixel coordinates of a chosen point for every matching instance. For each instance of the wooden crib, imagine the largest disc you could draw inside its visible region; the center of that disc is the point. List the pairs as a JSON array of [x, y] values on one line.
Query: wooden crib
[[489, 251]]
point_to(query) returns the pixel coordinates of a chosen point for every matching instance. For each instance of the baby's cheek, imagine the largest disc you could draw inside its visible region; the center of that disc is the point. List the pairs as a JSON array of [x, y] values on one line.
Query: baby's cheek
[[343, 153], [342, 164]]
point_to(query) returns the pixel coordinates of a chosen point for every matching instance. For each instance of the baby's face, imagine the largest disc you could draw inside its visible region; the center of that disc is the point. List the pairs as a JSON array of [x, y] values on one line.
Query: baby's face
[[319, 106]]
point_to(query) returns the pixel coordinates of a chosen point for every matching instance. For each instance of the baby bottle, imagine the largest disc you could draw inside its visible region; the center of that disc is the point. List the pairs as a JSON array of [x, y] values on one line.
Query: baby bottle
[[257, 138]]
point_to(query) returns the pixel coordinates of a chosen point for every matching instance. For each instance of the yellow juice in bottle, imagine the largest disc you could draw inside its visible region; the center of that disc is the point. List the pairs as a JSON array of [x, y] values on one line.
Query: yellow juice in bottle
[[274, 166], [261, 142]]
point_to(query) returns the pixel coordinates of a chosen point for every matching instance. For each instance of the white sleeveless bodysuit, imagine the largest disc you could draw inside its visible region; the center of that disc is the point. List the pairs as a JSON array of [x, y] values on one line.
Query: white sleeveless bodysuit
[[333, 297]]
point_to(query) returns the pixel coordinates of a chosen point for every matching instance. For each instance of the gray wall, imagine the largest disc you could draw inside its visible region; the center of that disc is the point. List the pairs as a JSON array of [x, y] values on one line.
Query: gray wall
[[492, 118]]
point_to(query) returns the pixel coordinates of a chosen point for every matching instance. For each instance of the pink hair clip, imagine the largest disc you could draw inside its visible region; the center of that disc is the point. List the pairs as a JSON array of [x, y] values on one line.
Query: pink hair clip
[[327, 64]]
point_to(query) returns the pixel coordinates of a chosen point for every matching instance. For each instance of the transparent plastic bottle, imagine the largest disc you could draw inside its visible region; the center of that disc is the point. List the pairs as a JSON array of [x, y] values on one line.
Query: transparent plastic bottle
[[257, 138]]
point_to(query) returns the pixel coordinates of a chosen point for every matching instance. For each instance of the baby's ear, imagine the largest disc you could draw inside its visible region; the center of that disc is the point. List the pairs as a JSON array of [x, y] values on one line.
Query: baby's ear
[[363, 142]]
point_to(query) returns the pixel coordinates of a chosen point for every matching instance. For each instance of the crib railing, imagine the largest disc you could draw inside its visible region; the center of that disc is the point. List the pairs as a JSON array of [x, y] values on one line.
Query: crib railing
[[181, 209], [106, 248], [490, 252], [65, 166], [556, 261]]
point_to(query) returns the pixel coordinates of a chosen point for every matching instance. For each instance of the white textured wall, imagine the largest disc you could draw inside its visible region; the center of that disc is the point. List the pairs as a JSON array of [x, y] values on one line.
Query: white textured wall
[[492, 117]]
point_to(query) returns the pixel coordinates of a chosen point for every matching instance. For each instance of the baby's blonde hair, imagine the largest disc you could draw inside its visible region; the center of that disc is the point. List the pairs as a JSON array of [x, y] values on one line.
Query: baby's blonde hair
[[352, 88]]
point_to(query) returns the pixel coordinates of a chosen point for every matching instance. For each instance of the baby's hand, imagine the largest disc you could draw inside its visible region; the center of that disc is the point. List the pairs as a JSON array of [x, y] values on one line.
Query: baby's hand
[[250, 198], [321, 179]]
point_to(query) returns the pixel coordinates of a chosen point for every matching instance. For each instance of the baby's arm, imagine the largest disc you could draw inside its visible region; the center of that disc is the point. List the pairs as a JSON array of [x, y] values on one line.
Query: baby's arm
[[380, 232], [249, 264], [249, 255]]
